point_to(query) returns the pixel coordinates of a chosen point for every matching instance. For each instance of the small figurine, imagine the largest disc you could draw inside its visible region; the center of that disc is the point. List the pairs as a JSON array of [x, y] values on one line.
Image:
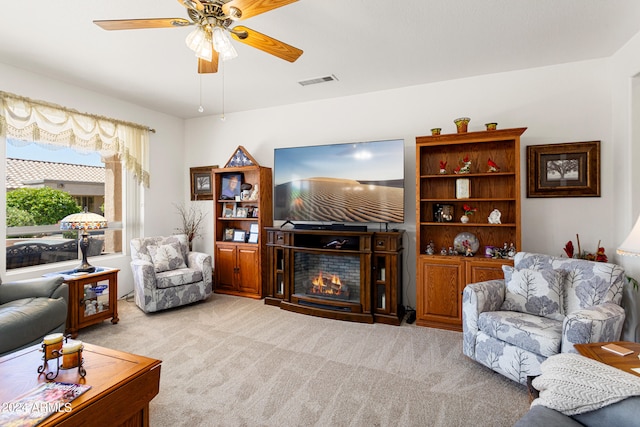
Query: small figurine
[[443, 167], [452, 251], [503, 253], [511, 253], [493, 167], [465, 167], [443, 251], [254, 194], [568, 249], [494, 217], [89, 309], [600, 255], [430, 248], [468, 251], [488, 251]]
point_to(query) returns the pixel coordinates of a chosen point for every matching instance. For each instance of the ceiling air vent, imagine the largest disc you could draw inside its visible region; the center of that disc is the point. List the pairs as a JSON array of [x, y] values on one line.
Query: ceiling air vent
[[317, 80]]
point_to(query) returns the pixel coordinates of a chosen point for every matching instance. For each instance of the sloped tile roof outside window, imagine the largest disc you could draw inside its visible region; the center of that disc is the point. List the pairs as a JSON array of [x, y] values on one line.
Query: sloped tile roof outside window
[[21, 171]]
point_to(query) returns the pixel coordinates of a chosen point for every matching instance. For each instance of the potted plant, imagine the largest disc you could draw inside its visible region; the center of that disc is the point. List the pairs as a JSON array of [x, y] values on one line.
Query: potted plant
[[192, 218]]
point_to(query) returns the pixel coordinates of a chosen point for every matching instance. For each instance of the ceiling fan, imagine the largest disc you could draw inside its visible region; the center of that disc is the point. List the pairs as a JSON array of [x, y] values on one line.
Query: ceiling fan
[[213, 20]]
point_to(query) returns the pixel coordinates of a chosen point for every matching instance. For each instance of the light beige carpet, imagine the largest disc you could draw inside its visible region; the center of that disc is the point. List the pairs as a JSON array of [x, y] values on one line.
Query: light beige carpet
[[233, 361]]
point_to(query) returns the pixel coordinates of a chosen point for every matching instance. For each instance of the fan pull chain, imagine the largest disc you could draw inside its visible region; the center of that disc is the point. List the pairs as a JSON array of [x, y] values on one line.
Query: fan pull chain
[[200, 108]]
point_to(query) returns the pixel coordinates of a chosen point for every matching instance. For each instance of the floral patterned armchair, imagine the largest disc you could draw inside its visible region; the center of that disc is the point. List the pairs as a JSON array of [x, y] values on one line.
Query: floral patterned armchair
[[543, 307], [166, 274]]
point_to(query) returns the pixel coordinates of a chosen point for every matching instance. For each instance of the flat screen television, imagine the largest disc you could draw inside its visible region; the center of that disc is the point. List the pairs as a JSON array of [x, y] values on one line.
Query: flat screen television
[[360, 182]]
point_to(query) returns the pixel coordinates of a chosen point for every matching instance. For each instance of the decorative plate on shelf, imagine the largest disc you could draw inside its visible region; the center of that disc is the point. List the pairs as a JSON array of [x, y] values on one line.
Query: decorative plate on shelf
[[464, 240]]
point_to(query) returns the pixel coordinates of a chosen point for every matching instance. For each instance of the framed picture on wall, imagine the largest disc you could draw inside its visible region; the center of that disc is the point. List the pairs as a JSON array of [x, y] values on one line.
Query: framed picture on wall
[[564, 170], [201, 183]]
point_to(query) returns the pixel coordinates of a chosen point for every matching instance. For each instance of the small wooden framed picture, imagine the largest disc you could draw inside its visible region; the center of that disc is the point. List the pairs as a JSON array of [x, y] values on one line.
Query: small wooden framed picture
[[241, 212], [463, 188], [228, 234], [239, 236], [254, 212], [229, 210]]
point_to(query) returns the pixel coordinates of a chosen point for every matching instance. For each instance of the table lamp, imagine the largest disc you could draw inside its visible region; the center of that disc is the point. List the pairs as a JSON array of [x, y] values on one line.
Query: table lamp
[[84, 221], [631, 245]]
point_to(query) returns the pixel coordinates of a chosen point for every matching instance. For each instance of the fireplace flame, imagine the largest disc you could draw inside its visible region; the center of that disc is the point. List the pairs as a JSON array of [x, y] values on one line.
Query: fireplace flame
[[333, 287]]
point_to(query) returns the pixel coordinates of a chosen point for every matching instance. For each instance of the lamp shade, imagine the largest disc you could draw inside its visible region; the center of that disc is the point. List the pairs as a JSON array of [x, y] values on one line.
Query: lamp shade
[[83, 221], [631, 245]]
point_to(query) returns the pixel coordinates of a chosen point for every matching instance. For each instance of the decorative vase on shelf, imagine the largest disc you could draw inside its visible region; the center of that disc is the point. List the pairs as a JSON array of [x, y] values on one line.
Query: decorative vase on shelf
[[462, 124], [464, 219]]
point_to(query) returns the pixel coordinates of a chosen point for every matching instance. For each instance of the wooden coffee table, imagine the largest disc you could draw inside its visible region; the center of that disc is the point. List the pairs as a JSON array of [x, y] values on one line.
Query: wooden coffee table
[[122, 385], [594, 351]]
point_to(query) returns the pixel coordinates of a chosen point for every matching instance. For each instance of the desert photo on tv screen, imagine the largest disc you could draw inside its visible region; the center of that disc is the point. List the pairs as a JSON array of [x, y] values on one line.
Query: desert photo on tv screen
[[351, 182]]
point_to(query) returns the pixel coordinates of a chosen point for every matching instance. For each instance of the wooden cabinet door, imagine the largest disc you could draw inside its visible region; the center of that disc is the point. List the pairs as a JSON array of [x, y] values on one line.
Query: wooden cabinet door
[[482, 270], [439, 296], [249, 279], [225, 266]]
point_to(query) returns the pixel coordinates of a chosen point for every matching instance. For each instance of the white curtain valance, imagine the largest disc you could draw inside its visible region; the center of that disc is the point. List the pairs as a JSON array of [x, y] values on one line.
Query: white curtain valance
[[28, 120]]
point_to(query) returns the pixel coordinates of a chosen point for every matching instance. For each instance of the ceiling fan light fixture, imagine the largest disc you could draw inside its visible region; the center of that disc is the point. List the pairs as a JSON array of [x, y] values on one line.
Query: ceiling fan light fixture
[[199, 40], [205, 50], [222, 44], [194, 38], [229, 53]]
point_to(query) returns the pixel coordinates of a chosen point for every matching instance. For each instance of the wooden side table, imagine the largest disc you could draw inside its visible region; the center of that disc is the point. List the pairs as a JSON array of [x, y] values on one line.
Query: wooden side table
[[92, 298], [594, 351], [122, 385]]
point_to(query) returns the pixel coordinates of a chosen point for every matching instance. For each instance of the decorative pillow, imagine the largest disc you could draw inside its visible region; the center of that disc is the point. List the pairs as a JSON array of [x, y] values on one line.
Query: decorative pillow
[[537, 292], [166, 257]]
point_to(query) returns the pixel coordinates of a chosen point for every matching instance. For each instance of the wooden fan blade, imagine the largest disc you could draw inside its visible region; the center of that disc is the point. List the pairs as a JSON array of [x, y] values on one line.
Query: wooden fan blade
[[135, 24], [192, 4], [249, 8], [207, 67], [265, 43]]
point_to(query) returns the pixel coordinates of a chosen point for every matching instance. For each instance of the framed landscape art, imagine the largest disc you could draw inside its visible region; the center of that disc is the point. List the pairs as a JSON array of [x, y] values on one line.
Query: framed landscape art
[[201, 184], [564, 170]]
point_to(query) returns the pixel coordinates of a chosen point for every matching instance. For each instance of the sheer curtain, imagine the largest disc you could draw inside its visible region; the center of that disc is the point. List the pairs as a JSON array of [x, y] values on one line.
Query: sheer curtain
[[29, 120]]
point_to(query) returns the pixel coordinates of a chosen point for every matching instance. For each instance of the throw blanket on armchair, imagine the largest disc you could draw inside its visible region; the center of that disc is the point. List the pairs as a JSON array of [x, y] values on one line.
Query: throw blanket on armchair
[[574, 384]]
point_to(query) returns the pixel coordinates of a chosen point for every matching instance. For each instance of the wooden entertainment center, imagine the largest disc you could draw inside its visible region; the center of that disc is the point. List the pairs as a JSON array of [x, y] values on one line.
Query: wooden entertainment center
[[304, 265]]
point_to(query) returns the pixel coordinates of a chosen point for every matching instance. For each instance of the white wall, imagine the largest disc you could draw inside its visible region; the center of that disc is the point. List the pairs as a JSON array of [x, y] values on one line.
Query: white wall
[[624, 69], [564, 103], [166, 159], [582, 101]]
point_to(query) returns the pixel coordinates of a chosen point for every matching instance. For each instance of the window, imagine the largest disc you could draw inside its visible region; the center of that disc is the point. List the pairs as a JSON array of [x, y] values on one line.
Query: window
[[123, 146], [90, 182]]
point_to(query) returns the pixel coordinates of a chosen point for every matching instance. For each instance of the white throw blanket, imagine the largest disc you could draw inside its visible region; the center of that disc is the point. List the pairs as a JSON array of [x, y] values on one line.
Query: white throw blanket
[[573, 384]]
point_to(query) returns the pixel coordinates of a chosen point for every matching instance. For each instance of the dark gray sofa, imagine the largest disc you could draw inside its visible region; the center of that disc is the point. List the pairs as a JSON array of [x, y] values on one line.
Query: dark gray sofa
[[623, 413], [31, 309]]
